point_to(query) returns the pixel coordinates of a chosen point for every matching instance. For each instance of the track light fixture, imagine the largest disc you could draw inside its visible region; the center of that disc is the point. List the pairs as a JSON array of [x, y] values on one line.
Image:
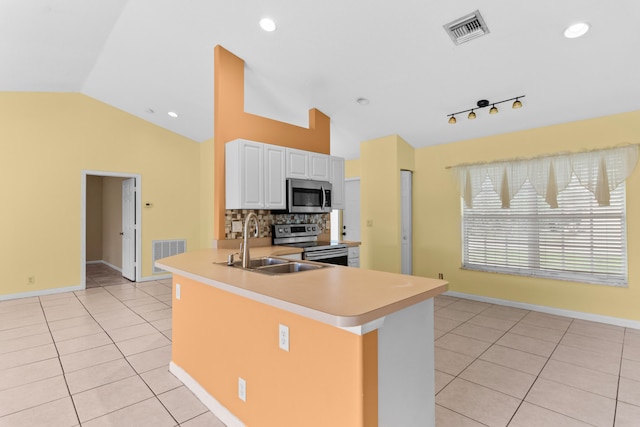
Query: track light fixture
[[517, 104], [484, 103]]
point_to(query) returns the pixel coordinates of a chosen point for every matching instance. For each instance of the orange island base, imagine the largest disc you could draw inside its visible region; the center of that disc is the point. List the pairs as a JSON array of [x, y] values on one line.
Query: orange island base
[[359, 343]]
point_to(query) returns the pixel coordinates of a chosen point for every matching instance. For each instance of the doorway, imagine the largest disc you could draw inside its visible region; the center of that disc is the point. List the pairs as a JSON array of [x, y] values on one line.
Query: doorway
[[351, 211], [111, 223]]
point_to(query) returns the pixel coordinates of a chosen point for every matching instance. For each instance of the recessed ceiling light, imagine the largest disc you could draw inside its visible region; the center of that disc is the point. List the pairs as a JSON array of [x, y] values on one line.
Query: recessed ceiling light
[[576, 30], [172, 114], [362, 101], [268, 24]]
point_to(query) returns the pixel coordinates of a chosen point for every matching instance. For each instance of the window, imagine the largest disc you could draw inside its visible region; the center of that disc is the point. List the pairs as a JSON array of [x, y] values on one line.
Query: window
[[577, 241]]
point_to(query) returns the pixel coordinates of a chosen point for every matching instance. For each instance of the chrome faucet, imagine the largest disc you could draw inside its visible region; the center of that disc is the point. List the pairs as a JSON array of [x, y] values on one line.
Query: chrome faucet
[[245, 244]]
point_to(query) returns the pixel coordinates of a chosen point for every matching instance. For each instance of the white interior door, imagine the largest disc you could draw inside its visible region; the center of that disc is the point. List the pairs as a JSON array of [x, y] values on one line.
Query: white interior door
[[129, 229], [351, 211], [406, 219]]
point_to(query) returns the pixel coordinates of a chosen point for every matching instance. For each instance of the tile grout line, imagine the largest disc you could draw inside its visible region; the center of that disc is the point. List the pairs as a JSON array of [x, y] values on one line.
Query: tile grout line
[[127, 360], [55, 345], [538, 376], [478, 357]]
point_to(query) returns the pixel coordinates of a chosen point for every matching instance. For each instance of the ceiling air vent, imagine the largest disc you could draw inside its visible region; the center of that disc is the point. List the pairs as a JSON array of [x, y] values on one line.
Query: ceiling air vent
[[467, 28]]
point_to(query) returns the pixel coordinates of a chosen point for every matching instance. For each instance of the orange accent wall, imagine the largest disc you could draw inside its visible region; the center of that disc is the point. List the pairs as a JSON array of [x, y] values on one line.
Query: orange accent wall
[[231, 122], [328, 378]]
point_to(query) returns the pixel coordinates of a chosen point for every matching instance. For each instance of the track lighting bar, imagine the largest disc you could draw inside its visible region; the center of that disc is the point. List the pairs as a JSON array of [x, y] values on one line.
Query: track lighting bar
[[484, 103]]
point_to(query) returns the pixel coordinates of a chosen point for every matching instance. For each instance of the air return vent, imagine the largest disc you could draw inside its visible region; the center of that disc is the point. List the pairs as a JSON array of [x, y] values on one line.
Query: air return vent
[[165, 248], [467, 28]]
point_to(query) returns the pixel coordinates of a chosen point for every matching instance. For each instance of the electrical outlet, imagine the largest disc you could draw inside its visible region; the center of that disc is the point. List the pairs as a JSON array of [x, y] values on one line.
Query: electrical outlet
[[236, 226], [283, 340], [31, 280], [242, 389], [440, 276], [177, 290]]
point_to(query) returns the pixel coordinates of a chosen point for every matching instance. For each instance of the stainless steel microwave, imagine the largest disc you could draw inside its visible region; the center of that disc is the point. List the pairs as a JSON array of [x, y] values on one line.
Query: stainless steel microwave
[[307, 196]]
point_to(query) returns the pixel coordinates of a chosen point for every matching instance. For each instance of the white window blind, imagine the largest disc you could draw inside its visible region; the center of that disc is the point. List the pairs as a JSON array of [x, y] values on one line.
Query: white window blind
[[578, 241]]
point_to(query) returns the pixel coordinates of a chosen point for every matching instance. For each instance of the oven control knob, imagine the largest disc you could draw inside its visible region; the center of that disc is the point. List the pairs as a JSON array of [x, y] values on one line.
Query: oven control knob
[[279, 230], [308, 228]]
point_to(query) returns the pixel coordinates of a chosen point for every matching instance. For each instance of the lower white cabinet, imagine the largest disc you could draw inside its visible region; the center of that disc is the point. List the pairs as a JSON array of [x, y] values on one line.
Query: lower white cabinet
[[354, 256]]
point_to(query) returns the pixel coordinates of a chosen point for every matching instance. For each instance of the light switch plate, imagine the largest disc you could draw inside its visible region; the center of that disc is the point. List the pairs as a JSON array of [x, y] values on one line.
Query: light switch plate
[[236, 226], [177, 290]]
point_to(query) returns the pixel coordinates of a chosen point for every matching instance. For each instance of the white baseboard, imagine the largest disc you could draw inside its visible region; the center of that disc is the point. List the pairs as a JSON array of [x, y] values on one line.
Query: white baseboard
[[101, 261], [112, 266], [209, 401], [156, 277], [40, 292], [627, 323]]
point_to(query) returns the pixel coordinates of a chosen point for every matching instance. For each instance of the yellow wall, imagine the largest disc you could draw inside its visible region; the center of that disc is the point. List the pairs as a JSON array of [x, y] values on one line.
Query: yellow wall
[[352, 168], [437, 238], [380, 164], [47, 140]]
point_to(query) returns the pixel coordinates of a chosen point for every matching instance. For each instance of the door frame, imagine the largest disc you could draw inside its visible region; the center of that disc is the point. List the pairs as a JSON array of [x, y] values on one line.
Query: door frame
[[83, 220]]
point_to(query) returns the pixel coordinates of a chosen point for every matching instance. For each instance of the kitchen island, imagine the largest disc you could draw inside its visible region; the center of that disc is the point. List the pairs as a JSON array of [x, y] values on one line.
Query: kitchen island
[[359, 343]]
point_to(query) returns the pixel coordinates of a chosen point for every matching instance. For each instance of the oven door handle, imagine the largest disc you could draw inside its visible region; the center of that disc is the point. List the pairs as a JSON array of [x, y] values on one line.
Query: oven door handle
[[325, 253]]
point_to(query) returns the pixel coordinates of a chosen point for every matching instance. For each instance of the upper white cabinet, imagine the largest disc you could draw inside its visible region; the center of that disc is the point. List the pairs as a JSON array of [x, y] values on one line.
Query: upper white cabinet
[[337, 182], [297, 163], [275, 196], [244, 163], [307, 165], [255, 175], [319, 167]]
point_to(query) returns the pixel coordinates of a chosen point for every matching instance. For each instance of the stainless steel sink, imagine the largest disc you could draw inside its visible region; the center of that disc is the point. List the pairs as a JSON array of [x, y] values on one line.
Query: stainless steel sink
[[261, 262], [275, 266], [290, 267]]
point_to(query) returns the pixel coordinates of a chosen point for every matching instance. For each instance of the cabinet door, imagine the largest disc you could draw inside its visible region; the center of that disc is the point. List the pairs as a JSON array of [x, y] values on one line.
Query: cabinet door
[[337, 182], [297, 164], [274, 177], [319, 167], [244, 166], [252, 173]]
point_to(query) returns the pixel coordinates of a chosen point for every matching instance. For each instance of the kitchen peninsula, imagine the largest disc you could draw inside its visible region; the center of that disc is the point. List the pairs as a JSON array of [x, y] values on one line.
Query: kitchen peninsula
[[336, 346]]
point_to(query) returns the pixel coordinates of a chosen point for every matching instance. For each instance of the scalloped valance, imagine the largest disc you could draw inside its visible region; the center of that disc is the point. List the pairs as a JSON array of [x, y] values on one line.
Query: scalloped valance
[[599, 171]]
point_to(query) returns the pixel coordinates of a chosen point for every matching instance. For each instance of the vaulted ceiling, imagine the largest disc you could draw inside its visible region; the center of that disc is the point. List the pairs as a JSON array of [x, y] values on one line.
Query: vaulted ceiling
[[149, 57]]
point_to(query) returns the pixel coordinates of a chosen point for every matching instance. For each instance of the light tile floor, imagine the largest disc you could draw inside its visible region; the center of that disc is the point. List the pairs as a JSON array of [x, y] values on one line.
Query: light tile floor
[[502, 366], [99, 357]]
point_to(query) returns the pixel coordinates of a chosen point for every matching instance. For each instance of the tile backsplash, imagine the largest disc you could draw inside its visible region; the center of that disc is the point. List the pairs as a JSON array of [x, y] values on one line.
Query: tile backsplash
[[266, 219]]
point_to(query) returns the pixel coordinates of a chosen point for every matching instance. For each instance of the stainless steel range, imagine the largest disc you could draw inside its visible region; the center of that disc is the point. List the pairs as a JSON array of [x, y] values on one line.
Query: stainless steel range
[[305, 236]]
